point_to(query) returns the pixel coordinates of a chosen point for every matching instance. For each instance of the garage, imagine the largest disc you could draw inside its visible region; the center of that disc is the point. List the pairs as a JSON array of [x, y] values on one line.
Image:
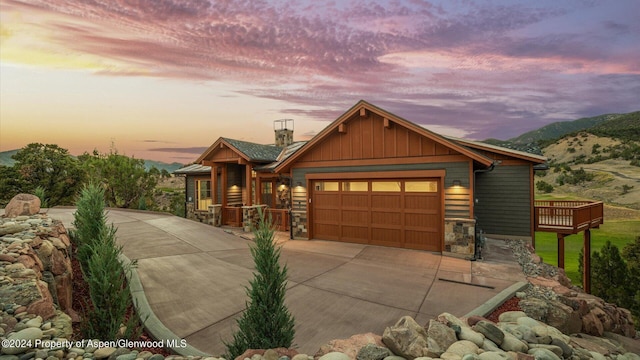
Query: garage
[[403, 213]]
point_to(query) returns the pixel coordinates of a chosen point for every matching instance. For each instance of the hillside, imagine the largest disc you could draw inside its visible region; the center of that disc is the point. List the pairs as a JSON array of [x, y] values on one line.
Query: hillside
[[148, 164], [594, 167], [596, 158], [625, 127], [557, 130], [5, 157], [6, 160]]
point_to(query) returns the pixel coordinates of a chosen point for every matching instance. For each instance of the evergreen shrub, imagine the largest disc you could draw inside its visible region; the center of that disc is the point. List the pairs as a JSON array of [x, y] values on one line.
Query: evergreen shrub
[[266, 323]]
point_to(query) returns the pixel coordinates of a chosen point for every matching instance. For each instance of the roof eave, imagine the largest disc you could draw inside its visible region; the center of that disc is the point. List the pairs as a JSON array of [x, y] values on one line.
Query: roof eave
[[504, 151]]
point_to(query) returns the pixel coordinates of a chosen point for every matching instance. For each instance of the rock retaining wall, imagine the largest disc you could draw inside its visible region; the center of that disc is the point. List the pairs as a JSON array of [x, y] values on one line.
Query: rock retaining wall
[[35, 265], [552, 298]]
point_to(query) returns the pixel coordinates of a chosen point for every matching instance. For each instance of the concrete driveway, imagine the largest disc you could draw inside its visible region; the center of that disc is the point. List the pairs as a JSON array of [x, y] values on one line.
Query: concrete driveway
[[194, 278]]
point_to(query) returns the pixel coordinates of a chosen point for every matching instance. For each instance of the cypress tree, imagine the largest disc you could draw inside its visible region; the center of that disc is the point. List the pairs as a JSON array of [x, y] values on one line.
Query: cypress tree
[[266, 323]]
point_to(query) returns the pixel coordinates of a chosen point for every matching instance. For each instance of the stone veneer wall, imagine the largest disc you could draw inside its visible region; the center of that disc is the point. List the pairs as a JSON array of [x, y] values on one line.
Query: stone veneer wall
[[36, 270], [251, 216], [459, 237], [299, 224], [215, 215]]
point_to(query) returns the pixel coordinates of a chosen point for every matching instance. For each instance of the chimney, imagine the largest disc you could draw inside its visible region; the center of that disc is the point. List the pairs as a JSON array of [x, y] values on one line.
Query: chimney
[[284, 132]]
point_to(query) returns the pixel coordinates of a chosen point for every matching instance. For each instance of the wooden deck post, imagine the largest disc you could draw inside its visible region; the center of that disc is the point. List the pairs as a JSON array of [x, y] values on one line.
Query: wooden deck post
[[561, 251], [586, 262]]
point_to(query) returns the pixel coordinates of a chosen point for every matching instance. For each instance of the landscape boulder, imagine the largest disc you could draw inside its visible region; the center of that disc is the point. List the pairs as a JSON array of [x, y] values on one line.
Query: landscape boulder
[[350, 346], [406, 338], [22, 204]]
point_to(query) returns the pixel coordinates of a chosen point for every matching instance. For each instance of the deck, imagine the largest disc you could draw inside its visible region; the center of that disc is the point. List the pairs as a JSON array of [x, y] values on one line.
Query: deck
[[567, 217], [570, 217]]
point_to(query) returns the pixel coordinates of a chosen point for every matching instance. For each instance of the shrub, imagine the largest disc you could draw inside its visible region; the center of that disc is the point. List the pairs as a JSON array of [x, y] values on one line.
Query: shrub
[[626, 188], [575, 177], [41, 194], [99, 258], [110, 296], [266, 322], [544, 186], [89, 221]]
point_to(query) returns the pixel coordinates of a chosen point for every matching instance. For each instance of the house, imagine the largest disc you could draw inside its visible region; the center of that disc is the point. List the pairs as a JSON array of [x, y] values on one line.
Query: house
[[369, 177]]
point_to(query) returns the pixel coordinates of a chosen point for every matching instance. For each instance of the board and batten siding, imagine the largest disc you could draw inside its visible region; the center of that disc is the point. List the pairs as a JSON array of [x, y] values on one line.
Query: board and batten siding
[[456, 201], [504, 201]]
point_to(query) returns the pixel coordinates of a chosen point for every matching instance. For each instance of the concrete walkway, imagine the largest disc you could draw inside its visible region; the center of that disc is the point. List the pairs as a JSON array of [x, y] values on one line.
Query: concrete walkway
[[194, 278]]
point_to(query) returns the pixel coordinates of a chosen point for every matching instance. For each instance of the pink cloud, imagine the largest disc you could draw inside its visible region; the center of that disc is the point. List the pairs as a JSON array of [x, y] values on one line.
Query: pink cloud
[[476, 64]]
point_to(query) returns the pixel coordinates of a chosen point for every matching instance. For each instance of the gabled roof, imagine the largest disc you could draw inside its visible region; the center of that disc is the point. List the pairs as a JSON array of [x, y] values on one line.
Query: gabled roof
[[392, 117], [500, 150], [249, 151], [284, 155]]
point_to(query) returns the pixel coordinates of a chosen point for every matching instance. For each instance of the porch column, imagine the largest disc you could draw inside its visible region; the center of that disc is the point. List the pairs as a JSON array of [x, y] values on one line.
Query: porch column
[[224, 186], [247, 181], [258, 198], [561, 251], [586, 262], [214, 183]]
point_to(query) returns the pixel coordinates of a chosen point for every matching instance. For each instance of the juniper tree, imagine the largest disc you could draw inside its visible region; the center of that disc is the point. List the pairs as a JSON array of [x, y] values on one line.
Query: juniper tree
[[266, 323], [609, 275], [90, 222], [103, 270]]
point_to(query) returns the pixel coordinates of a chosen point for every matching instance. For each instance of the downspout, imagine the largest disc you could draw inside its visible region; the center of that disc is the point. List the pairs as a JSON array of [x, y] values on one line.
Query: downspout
[[475, 199]]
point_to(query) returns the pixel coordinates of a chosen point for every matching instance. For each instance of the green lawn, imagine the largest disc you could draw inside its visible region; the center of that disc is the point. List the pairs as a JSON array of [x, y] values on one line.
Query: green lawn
[[619, 232]]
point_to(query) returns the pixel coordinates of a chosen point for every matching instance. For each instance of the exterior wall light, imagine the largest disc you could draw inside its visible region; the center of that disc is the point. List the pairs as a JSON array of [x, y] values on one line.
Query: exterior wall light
[[457, 183]]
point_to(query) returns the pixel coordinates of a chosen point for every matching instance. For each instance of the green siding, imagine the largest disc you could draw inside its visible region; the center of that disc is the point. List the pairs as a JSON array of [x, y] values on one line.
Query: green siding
[[504, 201], [191, 188], [456, 205]]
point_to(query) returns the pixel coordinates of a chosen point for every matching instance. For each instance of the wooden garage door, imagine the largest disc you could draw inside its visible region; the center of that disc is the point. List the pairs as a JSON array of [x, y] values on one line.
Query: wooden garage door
[[395, 212]]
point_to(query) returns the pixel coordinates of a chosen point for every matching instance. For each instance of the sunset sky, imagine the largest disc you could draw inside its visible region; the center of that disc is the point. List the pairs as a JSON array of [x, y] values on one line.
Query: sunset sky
[[163, 79]]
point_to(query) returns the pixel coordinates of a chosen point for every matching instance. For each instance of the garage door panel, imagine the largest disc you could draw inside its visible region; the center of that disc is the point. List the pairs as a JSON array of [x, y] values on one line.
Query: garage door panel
[[327, 231], [380, 201], [422, 240], [385, 218], [421, 220], [421, 202], [357, 234], [328, 199], [353, 200], [385, 236], [327, 216], [354, 216]]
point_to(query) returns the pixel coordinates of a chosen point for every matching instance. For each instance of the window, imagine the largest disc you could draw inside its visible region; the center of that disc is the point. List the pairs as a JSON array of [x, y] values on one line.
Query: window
[[355, 186], [388, 186], [421, 186], [203, 194], [327, 185]]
